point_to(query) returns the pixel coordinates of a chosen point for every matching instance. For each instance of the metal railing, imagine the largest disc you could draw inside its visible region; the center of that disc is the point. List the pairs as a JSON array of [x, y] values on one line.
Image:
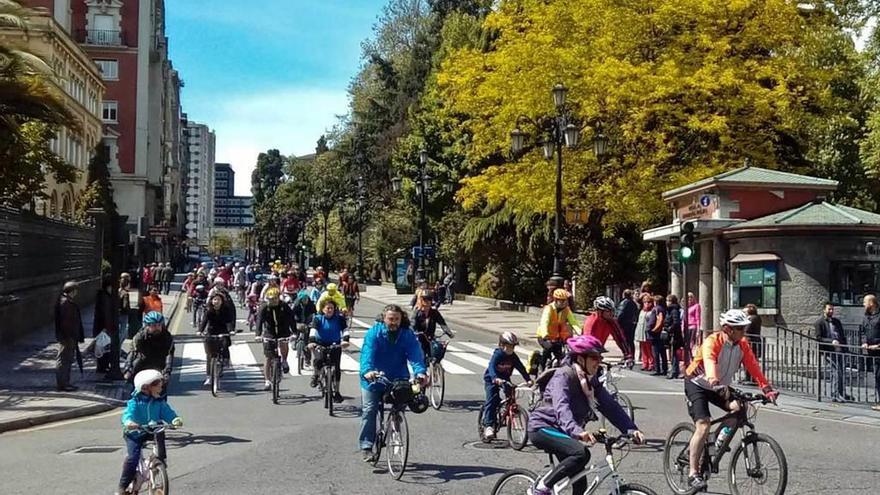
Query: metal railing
[[101, 37], [799, 363]]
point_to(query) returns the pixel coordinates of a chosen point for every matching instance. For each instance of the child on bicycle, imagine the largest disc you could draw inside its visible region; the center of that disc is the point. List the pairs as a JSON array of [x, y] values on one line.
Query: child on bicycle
[[146, 404], [709, 377], [328, 328], [569, 401], [504, 360]]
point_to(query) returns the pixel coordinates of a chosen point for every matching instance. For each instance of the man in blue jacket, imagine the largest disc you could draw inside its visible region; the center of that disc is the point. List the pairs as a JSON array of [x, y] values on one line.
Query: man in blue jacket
[[387, 347]]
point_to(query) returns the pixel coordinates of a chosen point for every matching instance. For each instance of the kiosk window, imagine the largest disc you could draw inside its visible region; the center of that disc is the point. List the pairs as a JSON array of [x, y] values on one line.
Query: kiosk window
[[756, 283], [851, 280]]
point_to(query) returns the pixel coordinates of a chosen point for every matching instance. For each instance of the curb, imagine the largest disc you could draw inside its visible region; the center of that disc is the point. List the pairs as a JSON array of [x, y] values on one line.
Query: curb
[[41, 419]]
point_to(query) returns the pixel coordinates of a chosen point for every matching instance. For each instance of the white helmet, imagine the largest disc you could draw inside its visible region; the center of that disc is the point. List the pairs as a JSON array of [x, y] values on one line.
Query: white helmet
[[735, 318], [146, 377], [508, 338], [603, 303]]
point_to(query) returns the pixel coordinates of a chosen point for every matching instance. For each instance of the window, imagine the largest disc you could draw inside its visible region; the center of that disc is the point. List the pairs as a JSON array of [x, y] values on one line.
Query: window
[[756, 283], [109, 69], [109, 113], [851, 280]]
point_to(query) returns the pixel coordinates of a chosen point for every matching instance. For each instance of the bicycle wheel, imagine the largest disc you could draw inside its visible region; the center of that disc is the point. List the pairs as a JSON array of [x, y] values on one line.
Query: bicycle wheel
[[635, 489], [627, 406], [215, 375], [517, 423], [397, 437], [300, 354], [763, 468], [331, 388], [438, 385], [516, 482], [480, 426], [380, 439], [276, 379], [676, 464], [158, 478]]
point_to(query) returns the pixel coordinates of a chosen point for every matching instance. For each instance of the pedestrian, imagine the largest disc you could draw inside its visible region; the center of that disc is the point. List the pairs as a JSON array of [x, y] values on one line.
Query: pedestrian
[[659, 338], [147, 277], [124, 305], [694, 336], [628, 317], [643, 331], [870, 328], [829, 331], [169, 277], [570, 288], [152, 301], [672, 326], [105, 320], [753, 334], [69, 332], [449, 283], [551, 285]]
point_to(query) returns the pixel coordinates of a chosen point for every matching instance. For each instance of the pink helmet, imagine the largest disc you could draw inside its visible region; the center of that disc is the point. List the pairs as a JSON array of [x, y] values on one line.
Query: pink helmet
[[585, 344]]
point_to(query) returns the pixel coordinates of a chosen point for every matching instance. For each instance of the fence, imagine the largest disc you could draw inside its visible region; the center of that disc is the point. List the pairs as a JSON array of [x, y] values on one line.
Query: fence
[[799, 363], [37, 251]]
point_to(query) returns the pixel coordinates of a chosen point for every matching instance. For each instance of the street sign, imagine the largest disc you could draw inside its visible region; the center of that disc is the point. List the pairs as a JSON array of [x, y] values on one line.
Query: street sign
[[159, 231], [430, 251]]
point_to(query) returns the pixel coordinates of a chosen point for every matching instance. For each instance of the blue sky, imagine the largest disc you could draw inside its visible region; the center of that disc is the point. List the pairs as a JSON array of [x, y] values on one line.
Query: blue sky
[[269, 73]]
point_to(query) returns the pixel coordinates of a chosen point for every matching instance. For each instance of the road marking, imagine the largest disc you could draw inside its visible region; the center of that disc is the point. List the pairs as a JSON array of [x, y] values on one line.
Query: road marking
[[192, 367], [115, 412], [361, 323], [244, 363], [348, 364], [455, 369], [467, 356]]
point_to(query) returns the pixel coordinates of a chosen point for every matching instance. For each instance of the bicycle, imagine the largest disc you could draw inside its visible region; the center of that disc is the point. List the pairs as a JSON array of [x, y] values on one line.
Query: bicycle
[[152, 470], [757, 466], [327, 376], [509, 415], [303, 356], [523, 481], [253, 308], [392, 431], [437, 375], [216, 363], [609, 380], [275, 365], [199, 308]]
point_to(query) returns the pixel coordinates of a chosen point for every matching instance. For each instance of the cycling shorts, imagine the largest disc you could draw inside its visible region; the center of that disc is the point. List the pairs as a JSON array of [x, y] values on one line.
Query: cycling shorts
[[699, 398]]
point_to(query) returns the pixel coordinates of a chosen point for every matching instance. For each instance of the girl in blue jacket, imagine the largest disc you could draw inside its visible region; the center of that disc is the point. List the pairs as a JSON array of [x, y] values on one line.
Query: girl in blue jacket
[[146, 406], [328, 328]]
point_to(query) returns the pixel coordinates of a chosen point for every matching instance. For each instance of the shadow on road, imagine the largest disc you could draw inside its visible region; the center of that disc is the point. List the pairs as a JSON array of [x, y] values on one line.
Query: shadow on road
[[436, 474], [462, 406], [184, 439]]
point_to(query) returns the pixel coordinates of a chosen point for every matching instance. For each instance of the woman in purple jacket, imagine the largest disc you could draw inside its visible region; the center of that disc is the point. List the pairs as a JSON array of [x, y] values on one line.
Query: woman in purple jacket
[[571, 396]]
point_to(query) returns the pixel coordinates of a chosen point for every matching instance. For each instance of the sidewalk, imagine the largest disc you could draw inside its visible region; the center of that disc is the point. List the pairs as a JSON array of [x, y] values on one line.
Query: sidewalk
[[483, 315], [27, 379]]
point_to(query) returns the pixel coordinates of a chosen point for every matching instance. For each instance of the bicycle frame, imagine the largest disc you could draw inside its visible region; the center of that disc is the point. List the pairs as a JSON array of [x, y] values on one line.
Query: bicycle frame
[[742, 425], [602, 473]]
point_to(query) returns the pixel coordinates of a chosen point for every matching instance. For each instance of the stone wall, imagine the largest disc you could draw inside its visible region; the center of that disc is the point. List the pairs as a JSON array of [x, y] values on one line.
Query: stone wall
[[805, 273]]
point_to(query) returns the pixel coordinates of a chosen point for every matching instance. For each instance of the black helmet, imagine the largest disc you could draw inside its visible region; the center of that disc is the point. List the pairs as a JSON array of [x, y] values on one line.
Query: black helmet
[[419, 403]]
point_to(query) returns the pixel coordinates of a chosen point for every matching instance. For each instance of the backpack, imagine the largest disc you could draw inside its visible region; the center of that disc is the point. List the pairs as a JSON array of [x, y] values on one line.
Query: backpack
[[544, 378]]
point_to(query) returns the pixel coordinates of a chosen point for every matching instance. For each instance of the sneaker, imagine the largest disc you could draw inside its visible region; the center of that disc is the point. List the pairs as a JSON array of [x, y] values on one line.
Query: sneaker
[[367, 455], [696, 483], [208, 382], [314, 381], [488, 433], [539, 491], [285, 367], [267, 385]]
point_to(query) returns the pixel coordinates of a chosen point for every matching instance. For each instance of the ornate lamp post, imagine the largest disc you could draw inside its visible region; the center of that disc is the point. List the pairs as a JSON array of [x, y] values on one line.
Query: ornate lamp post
[[423, 187], [559, 131]]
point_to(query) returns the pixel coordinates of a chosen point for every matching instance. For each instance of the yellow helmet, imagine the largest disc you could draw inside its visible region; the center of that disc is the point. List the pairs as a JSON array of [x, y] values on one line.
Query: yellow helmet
[[331, 288], [273, 293], [561, 295]]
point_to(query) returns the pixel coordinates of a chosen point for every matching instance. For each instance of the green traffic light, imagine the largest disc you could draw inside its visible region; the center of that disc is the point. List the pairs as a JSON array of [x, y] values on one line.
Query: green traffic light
[[685, 253]]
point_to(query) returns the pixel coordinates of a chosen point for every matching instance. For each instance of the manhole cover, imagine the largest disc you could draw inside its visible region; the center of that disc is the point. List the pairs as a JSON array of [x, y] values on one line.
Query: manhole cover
[[493, 445], [95, 449]]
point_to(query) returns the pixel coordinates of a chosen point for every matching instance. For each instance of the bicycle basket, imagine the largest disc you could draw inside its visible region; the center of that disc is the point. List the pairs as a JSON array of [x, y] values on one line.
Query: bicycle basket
[[399, 393], [438, 350]]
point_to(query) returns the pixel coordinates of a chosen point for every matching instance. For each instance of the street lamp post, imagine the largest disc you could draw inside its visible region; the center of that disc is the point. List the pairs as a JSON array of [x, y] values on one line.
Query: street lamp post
[[560, 131], [423, 188]]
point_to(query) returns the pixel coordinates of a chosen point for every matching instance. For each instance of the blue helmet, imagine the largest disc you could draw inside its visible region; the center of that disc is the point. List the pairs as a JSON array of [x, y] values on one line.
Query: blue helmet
[[153, 317]]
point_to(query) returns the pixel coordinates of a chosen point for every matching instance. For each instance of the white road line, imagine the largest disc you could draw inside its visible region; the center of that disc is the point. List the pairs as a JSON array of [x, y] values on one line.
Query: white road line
[[192, 368], [455, 369], [478, 347], [467, 356], [361, 323], [349, 364]]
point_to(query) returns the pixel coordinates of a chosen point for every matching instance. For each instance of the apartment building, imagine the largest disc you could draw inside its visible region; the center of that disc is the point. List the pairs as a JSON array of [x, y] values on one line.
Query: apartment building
[[200, 141], [80, 84]]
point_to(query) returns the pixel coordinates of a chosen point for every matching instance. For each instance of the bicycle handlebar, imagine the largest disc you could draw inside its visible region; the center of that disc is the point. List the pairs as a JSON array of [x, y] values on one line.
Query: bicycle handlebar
[[155, 427], [216, 335]]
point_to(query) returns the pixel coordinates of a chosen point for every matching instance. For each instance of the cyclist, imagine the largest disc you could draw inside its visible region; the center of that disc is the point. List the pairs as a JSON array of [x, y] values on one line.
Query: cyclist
[[557, 425], [557, 324], [602, 323], [239, 279], [351, 291], [186, 288], [199, 296], [256, 287], [504, 360], [146, 404], [425, 319], [152, 348], [215, 322], [277, 320], [328, 328], [289, 284], [220, 288], [332, 294], [273, 281], [388, 346], [708, 380], [311, 291]]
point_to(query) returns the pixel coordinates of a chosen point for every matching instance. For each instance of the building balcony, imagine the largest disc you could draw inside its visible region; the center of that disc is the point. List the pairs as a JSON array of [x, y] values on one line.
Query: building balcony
[[100, 37]]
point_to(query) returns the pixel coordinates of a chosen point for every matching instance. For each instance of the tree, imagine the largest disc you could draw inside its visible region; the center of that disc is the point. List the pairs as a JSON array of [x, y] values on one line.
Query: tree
[[267, 176], [220, 244], [99, 189]]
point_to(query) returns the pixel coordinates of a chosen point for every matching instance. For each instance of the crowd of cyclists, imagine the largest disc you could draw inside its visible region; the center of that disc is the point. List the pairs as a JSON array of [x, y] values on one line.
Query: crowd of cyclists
[[565, 371]]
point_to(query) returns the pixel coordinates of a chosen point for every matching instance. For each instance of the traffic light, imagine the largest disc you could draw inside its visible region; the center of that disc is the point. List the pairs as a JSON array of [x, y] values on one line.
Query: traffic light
[[687, 238]]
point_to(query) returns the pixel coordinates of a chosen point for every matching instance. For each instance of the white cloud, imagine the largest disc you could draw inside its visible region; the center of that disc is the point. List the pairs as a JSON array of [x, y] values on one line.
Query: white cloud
[[290, 120]]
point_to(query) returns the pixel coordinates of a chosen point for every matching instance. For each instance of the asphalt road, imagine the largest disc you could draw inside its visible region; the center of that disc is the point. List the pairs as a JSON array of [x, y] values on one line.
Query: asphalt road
[[241, 443]]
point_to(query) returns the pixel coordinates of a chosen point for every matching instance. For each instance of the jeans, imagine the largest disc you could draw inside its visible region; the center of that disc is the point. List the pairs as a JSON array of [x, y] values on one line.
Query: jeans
[[371, 401], [573, 456], [134, 447], [490, 408], [661, 360], [834, 367]]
